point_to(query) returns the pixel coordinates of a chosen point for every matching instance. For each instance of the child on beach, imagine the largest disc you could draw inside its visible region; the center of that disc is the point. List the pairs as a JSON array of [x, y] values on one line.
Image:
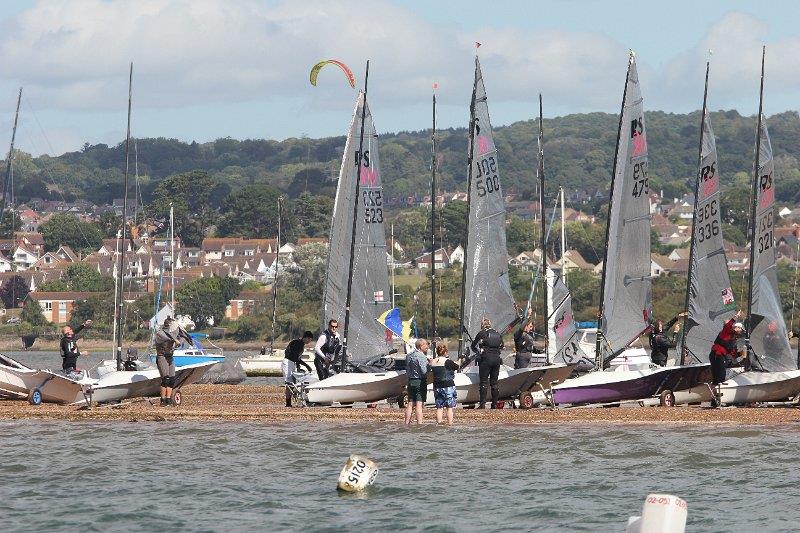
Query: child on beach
[[444, 389]]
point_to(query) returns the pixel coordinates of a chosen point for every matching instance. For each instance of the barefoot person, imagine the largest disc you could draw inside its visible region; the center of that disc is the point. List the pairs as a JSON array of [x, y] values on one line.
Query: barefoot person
[[69, 346], [416, 369], [444, 388]]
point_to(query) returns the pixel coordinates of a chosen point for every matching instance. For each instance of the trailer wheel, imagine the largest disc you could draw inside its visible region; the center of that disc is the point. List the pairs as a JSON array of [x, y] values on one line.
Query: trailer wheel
[[35, 397], [177, 398], [667, 399], [526, 400]]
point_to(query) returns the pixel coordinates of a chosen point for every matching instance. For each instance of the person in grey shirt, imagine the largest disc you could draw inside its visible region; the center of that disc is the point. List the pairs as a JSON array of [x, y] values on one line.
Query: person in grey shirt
[[416, 370]]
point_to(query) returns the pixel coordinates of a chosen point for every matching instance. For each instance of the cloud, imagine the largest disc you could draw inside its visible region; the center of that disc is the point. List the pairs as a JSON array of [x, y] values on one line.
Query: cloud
[[736, 41]]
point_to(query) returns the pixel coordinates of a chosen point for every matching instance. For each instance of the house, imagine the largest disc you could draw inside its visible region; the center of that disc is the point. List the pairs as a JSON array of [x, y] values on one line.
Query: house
[[678, 254], [573, 260], [245, 304], [441, 259], [302, 241], [527, 261], [659, 265], [24, 258], [6, 265], [57, 306], [738, 260], [32, 241], [457, 255]]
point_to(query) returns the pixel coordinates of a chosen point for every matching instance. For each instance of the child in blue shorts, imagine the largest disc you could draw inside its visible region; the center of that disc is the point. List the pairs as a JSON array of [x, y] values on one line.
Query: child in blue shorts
[[444, 389]]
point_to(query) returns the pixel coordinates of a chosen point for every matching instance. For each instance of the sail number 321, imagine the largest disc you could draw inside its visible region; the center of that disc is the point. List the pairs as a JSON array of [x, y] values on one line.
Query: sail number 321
[[486, 180]]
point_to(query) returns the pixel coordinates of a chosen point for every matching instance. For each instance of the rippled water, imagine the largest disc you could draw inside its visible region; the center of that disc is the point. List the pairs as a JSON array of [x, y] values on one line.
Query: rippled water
[[226, 476]]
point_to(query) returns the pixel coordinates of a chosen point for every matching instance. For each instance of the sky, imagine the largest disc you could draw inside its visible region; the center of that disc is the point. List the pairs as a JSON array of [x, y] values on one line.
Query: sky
[[205, 69]]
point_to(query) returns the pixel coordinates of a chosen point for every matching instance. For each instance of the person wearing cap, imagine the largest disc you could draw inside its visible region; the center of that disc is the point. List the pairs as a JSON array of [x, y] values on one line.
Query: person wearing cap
[[166, 339], [292, 360], [488, 343], [723, 351]]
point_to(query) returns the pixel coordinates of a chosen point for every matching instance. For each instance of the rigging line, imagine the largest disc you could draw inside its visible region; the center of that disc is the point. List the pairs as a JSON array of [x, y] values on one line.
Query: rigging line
[[535, 275], [794, 288]]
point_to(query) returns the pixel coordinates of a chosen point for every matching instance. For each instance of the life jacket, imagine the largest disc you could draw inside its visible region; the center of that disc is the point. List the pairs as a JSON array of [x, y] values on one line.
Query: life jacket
[[725, 343], [332, 343]]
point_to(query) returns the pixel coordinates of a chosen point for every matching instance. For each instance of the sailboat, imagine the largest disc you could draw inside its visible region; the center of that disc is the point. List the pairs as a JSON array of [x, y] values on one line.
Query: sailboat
[[774, 375], [625, 300], [486, 288], [357, 278]]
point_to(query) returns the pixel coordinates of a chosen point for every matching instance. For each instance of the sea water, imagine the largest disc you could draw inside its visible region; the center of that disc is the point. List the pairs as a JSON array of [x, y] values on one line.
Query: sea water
[[204, 476]]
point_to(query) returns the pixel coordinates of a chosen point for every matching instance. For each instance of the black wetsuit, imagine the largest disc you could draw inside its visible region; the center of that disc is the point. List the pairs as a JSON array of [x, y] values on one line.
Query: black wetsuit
[[70, 351], [294, 351], [489, 342], [525, 348], [660, 343]]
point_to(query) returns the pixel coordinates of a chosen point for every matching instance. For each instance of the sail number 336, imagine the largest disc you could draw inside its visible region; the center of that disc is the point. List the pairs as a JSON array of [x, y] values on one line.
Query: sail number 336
[[486, 180]]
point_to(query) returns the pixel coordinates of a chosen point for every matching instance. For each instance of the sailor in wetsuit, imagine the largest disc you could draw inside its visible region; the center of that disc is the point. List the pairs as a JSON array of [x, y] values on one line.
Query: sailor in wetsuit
[[488, 344], [723, 351], [660, 342], [69, 346], [524, 346], [292, 360], [325, 350]]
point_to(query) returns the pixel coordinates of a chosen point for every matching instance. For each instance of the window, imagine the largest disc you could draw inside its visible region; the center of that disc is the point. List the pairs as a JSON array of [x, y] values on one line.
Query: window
[[228, 253], [47, 306], [62, 307], [249, 252]]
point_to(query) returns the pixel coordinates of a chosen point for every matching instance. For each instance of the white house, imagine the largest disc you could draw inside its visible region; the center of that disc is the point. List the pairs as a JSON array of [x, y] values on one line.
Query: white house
[[24, 258], [457, 255]]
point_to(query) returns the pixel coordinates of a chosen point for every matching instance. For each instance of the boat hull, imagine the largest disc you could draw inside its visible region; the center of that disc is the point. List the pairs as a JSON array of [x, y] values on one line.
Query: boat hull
[[17, 381], [185, 360], [269, 365], [510, 383], [121, 385], [628, 385], [357, 387], [747, 387]]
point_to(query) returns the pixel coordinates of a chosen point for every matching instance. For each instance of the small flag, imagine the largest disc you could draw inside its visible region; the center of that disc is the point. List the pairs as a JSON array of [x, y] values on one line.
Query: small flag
[[477, 44], [392, 321], [377, 296], [435, 86]]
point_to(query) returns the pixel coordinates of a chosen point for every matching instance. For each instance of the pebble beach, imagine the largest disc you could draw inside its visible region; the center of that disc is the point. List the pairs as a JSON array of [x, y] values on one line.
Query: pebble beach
[[264, 403]]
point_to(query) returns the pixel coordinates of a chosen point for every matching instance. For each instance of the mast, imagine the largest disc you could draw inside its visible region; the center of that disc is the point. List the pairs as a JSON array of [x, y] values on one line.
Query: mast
[[172, 254], [275, 280], [8, 184], [355, 218], [543, 243], [598, 342], [470, 154], [392, 256], [433, 226], [121, 261], [563, 241], [694, 213], [753, 224], [114, 332]]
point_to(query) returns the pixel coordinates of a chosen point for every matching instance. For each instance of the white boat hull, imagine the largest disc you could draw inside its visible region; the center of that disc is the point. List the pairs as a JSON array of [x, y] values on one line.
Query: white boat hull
[[747, 387], [353, 387], [17, 381], [269, 365], [510, 382]]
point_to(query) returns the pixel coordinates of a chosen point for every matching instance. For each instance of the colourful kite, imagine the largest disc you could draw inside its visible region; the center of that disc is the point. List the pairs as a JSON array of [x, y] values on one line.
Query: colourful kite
[[347, 72]]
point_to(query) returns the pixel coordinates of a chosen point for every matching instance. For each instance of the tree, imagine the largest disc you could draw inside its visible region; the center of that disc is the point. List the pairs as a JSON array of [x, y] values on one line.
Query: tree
[[410, 230], [9, 225], [68, 230], [308, 271], [32, 313], [203, 300], [82, 277], [251, 212], [454, 219], [190, 195], [521, 235], [110, 223], [14, 291], [312, 214]]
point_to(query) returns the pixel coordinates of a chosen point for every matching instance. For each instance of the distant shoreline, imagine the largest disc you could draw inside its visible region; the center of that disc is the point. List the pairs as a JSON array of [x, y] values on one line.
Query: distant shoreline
[[9, 343], [264, 404]]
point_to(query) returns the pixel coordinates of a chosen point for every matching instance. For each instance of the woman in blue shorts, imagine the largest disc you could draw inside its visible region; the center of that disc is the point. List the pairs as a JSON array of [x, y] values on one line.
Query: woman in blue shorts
[[444, 389]]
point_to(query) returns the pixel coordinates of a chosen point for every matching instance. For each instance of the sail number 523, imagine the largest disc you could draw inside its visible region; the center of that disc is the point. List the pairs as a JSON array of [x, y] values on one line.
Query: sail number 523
[[486, 180], [373, 206]]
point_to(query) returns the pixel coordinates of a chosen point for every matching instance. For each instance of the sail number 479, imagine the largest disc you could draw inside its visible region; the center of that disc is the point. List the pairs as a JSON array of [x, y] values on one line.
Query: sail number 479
[[486, 180]]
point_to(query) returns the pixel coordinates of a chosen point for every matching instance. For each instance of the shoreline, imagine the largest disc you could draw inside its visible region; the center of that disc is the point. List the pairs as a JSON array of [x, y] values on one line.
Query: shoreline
[[264, 404]]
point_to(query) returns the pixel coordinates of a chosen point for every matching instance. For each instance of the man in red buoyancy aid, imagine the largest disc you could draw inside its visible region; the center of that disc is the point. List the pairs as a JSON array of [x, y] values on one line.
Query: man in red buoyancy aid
[[723, 351]]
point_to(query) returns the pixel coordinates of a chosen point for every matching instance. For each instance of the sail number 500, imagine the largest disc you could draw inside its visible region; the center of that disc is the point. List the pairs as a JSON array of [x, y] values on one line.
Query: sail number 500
[[487, 181]]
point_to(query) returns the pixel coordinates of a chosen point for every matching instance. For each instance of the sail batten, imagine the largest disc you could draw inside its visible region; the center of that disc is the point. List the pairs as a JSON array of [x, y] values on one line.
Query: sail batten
[[370, 286], [487, 286], [626, 304]]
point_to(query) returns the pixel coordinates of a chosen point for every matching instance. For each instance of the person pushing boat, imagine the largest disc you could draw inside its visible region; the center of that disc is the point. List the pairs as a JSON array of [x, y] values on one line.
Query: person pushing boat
[[69, 346], [488, 343], [524, 346], [292, 360], [724, 351], [166, 339], [328, 344], [661, 342]]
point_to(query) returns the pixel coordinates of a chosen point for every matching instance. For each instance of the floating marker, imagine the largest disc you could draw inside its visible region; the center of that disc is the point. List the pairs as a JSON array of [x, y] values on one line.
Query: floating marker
[[358, 473], [661, 513]]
